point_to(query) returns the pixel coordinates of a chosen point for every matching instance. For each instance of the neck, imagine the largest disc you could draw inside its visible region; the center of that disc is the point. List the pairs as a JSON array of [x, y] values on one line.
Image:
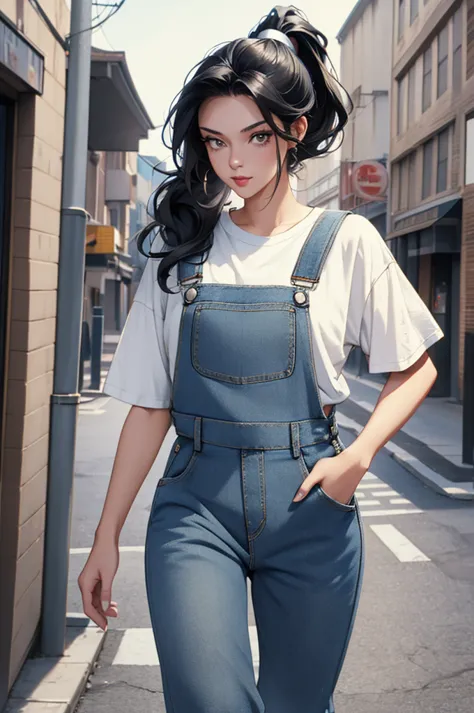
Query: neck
[[263, 216]]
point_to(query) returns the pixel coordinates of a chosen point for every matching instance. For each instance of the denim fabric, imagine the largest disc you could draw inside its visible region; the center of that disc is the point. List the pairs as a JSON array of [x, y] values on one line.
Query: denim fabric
[[250, 427]]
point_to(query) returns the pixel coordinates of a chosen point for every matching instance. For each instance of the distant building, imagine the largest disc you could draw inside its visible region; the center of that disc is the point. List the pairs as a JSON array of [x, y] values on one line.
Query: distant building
[[365, 40], [318, 182], [431, 221], [148, 179]]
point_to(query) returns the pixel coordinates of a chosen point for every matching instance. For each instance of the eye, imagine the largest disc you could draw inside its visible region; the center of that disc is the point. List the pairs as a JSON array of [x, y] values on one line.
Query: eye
[[208, 139], [265, 136]]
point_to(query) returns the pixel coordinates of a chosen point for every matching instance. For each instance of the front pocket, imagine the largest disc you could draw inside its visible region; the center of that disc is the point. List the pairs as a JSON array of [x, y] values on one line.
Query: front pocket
[[351, 505], [244, 344], [309, 455], [180, 461]]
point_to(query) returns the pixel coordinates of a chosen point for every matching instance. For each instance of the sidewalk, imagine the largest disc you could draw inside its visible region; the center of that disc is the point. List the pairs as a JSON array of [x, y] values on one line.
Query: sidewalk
[[430, 443], [50, 684], [110, 342]]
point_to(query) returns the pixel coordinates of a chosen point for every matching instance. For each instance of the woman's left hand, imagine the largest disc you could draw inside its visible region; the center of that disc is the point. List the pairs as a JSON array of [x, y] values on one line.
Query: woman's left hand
[[338, 475]]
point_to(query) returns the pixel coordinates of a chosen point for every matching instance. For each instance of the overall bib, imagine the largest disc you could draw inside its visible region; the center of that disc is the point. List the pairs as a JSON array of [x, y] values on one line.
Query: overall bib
[[250, 425]]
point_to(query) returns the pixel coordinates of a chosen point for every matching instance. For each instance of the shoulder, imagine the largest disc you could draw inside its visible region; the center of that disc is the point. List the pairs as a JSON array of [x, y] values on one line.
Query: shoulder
[[362, 245]]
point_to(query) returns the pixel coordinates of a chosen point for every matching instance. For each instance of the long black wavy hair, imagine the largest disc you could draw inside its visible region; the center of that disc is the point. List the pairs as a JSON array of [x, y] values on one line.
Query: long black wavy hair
[[280, 83]]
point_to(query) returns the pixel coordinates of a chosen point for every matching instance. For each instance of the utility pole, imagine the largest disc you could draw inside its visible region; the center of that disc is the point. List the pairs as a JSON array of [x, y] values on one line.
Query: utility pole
[[65, 397]]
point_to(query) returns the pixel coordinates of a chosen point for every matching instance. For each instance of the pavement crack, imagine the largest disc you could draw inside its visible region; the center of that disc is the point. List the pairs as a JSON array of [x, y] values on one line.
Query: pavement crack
[[96, 687]]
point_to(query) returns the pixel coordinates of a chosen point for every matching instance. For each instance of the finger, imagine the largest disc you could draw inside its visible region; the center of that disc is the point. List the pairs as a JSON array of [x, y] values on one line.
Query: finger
[[99, 614], [90, 610], [304, 489], [106, 595]]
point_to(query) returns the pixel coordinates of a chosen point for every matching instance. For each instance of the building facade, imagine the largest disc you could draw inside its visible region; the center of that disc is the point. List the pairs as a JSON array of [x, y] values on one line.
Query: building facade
[[318, 182], [431, 205], [32, 102], [365, 40], [33, 74]]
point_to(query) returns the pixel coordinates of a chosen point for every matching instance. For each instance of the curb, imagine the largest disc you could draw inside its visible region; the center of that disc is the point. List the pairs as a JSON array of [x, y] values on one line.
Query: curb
[[54, 684], [441, 485]]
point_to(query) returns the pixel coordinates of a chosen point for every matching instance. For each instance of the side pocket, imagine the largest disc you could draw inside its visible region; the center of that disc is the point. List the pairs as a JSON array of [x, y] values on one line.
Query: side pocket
[[180, 461]]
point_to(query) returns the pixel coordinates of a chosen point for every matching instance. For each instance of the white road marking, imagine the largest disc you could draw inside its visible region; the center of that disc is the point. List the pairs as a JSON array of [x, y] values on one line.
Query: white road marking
[[399, 501], [369, 502], [123, 548], [366, 486], [400, 545], [91, 412], [384, 493], [384, 513], [137, 647]]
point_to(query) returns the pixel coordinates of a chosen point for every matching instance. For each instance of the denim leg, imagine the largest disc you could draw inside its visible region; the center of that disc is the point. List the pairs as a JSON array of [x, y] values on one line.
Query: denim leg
[[196, 577]]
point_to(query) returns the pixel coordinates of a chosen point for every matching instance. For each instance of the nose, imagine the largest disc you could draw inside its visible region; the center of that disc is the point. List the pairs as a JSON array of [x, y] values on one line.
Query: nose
[[235, 162]]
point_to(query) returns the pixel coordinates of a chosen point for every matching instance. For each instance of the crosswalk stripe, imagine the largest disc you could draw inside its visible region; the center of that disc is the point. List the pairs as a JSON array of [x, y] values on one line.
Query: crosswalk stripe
[[137, 647], [400, 545], [366, 486], [384, 513], [384, 493]]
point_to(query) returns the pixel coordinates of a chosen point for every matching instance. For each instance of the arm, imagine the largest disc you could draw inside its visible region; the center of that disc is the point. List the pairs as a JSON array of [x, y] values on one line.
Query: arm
[[400, 397], [402, 394], [141, 438]]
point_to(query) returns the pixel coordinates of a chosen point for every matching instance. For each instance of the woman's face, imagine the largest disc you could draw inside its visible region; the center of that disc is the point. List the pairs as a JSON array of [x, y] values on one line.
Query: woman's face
[[239, 142]]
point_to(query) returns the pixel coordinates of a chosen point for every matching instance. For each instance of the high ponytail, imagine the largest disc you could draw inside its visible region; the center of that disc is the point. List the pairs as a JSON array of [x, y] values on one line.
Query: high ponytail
[[281, 84]]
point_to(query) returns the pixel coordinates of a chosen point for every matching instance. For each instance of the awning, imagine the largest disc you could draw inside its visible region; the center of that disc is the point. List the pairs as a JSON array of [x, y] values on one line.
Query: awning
[[117, 117], [120, 263], [425, 217]]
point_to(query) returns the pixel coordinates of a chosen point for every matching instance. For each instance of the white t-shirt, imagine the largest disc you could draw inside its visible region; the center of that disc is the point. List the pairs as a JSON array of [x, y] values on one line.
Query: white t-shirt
[[363, 299]]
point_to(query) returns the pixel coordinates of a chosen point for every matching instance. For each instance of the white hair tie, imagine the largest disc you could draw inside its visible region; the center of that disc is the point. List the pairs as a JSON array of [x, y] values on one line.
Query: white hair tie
[[279, 36]]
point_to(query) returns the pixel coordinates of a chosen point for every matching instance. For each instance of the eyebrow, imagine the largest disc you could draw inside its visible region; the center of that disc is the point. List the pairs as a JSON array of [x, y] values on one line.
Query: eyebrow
[[247, 128]]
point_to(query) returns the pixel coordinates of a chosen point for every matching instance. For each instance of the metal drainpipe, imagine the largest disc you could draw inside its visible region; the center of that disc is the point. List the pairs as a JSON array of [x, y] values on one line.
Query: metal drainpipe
[[65, 397]]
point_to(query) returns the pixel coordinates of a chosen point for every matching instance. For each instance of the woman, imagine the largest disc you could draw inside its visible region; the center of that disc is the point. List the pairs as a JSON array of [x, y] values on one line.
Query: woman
[[245, 358]]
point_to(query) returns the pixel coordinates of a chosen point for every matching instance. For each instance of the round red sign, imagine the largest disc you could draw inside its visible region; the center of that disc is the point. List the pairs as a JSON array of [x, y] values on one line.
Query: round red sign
[[369, 179]]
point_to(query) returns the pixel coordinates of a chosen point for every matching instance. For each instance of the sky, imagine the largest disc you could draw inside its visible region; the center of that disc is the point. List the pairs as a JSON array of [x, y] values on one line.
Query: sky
[[164, 40]]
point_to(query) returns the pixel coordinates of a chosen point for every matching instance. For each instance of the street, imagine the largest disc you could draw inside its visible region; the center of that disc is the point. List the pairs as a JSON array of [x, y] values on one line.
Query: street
[[411, 648]]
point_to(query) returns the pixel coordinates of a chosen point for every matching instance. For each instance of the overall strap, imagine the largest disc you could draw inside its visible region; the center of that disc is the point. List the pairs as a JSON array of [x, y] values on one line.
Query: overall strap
[[190, 272], [310, 262]]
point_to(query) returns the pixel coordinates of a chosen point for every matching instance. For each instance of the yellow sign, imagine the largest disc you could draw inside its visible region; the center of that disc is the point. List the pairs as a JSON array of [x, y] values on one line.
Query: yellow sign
[[102, 239]]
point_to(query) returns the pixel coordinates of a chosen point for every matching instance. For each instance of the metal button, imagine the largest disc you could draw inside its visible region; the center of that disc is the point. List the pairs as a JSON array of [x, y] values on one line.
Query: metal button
[[177, 447], [300, 298], [190, 294]]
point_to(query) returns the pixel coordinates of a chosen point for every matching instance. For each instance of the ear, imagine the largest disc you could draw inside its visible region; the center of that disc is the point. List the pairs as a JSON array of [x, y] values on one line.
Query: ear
[[299, 129]]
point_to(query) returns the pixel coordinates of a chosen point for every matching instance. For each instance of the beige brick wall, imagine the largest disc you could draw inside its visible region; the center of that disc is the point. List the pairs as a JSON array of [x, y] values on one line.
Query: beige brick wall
[[33, 282]]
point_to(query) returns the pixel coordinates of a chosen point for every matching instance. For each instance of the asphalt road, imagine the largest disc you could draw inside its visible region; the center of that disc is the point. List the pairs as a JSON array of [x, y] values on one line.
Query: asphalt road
[[412, 648]]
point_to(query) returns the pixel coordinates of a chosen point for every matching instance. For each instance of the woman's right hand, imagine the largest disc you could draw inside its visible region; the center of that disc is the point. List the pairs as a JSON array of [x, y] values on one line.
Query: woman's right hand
[[95, 582]]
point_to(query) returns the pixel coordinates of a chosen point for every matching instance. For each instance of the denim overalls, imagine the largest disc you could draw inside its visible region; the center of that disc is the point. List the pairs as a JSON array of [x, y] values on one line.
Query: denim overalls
[[250, 427]]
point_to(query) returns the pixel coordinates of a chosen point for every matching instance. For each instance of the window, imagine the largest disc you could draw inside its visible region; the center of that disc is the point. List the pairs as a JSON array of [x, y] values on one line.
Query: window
[[401, 18], [403, 183], [401, 105], [427, 169], [457, 50], [443, 61], [113, 217], [413, 10], [442, 167], [412, 179], [427, 78], [469, 168], [411, 94]]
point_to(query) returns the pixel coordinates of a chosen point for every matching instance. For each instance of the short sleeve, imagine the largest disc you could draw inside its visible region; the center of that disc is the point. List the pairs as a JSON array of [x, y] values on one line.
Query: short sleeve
[[139, 371], [397, 326]]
